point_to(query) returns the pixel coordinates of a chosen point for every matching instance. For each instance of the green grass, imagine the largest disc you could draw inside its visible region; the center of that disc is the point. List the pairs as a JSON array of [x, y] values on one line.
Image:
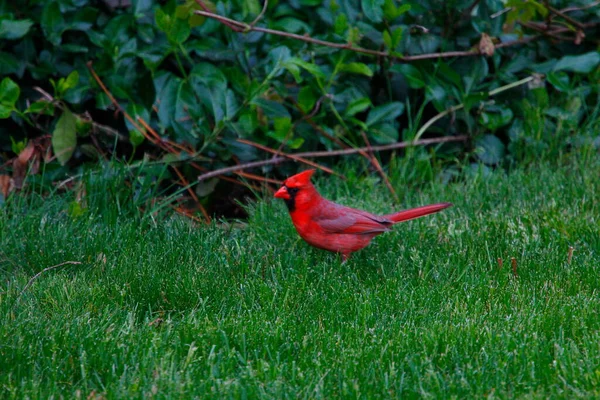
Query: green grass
[[250, 310]]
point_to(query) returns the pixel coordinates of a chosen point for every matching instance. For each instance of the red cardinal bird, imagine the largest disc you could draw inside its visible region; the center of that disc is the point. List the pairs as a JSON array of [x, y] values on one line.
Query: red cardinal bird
[[333, 227]]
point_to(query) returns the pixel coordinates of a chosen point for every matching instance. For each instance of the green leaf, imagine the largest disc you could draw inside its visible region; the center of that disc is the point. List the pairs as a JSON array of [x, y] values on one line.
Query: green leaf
[[180, 31], [9, 93], [64, 137], [583, 63], [166, 90], [292, 25], [391, 11], [14, 29], [385, 112], [295, 143], [9, 64], [71, 80], [136, 137], [489, 149], [373, 9], [495, 117], [411, 73], [560, 81], [136, 110], [474, 99], [209, 74], [271, 108], [231, 104], [41, 107], [313, 69], [140, 7], [384, 134], [306, 99], [282, 128], [53, 23], [357, 68], [341, 24], [5, 111], [162, 19], [357, 106], [176, 29]]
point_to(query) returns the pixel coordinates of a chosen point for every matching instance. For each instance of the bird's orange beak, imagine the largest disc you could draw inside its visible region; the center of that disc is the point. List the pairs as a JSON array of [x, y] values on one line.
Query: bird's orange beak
[[282, 193]]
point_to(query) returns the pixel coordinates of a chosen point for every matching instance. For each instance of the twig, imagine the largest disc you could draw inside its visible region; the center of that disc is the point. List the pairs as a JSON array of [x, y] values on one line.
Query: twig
[[513, 262], [259, 16], [290, 156], [185, 183], [205, 8], [243, 27], [375, 162], [575, 8], [314, 125], [240, 167], [259, 178], [42, 271], [332, 153], [491, 93], [564, 16], [96, 125]]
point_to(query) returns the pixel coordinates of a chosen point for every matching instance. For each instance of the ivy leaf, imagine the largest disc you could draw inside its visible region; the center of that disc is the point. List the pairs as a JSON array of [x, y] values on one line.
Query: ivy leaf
[[64, 137]]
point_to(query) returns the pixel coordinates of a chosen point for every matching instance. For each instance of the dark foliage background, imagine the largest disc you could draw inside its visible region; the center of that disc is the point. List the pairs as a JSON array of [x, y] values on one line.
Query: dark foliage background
[[186, 88]]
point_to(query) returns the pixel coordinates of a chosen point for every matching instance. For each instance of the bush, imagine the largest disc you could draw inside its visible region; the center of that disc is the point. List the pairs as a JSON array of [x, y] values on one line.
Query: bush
[[186, 88]]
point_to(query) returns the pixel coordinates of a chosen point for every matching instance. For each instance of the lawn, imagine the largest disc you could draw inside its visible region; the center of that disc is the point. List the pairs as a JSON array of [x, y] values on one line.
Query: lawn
[[162, 307]]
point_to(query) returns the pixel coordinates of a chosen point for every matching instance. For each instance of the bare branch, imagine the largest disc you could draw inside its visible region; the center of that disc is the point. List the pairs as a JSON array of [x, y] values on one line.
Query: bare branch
[[316, 154]]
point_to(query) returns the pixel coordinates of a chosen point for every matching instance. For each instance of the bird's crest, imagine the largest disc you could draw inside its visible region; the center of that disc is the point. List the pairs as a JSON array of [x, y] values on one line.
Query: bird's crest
[[301, 179]]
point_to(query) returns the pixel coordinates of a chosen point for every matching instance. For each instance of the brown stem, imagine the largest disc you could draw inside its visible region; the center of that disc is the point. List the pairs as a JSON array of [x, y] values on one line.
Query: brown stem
[[375, 162], [565, 17], [45, 270], [591, 5], [316, 154], [243, 27], [290, 156], [185, 183]]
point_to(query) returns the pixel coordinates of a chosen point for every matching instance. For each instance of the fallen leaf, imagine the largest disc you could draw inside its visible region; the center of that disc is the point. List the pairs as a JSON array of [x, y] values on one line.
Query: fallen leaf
[[27, 153], [19, 171], [5, 185], [486, 45]]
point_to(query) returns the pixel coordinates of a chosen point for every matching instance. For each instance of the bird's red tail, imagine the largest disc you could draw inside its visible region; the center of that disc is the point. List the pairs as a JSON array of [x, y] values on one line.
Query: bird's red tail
[[413, 213]]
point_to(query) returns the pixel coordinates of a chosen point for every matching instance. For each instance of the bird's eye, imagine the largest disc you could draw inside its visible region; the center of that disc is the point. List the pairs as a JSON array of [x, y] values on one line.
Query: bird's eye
[[292, 191]]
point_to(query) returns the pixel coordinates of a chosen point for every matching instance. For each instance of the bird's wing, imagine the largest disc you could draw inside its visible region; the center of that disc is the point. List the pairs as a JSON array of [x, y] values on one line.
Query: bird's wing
[[340, 219]]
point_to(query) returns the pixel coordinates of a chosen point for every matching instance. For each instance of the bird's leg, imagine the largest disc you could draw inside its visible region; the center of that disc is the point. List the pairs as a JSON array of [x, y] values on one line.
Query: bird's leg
[[345, 257]]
